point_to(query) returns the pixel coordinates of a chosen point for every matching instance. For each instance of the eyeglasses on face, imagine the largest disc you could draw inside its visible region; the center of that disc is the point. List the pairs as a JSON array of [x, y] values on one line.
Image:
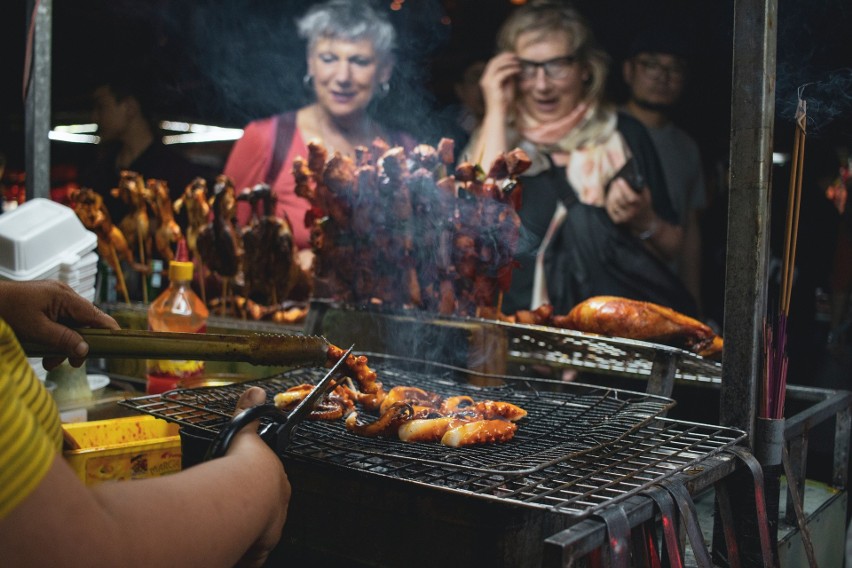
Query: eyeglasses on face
[[556, 68], [656, 70]]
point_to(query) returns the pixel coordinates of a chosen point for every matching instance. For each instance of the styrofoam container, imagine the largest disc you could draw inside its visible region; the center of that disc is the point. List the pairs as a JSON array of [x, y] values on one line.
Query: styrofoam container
[[37, 236]]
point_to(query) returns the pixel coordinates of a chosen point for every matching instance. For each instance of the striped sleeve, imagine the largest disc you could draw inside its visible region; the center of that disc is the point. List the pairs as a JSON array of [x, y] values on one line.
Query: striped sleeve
[[30, 430]]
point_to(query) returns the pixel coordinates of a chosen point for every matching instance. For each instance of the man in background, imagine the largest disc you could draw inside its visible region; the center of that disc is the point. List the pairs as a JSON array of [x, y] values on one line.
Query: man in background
[[655, 72], [130, 139]]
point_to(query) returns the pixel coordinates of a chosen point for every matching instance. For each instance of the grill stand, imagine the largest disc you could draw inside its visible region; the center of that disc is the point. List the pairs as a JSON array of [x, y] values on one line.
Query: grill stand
[[605, 535]]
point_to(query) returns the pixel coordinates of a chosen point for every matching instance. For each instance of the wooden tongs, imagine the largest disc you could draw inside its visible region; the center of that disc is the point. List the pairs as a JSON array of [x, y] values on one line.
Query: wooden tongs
[[256, 348]]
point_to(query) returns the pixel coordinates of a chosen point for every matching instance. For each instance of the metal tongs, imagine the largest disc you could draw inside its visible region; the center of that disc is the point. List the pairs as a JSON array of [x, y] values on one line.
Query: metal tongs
[[282, 423], [254, 348]]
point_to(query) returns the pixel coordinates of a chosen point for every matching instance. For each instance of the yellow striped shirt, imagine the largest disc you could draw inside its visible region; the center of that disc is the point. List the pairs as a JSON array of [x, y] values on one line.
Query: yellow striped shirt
[[30, 431]]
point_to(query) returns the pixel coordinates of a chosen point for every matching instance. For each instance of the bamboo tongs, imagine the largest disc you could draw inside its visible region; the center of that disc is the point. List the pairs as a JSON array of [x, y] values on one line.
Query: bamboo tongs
[[256, 348]]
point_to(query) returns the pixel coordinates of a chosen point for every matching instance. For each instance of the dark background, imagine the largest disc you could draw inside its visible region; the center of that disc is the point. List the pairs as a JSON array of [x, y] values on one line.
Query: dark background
[[226, 62]]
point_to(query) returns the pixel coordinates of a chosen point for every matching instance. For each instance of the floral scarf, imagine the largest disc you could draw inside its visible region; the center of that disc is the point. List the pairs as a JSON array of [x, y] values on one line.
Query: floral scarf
[[585, 141]]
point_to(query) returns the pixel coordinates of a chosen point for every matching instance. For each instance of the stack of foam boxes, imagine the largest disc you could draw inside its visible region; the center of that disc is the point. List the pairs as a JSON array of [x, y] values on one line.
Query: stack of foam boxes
[[45, 240]]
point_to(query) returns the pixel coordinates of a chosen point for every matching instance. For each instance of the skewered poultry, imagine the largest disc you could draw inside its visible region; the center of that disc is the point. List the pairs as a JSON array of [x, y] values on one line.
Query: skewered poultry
[[136, 225], [218, 242], [427, 245], [633, 319], [194, 199], [271, 270], [167, 232], [112, 246]]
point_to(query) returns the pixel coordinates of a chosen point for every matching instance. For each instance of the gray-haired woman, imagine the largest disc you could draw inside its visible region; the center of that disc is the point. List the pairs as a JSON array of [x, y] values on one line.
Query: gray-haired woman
[[350, 59]]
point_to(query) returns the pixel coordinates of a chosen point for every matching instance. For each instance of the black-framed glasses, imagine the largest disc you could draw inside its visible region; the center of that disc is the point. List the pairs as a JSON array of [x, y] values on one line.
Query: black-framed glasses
[[556, 68], [656, 70]]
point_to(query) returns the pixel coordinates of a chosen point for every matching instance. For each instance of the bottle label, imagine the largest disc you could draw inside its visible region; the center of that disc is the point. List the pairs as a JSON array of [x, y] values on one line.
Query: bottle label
[[166, 374]]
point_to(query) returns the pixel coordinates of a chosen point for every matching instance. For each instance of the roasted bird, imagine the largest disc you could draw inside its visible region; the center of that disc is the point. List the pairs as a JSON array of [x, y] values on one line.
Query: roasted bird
[[270, 267], [633, 319], [194, 200], [136, 225], [218, 242], [167, 232]]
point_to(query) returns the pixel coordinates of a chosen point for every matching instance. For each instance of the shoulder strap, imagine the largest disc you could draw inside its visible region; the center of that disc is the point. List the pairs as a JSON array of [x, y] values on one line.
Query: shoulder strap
[[284, 131]]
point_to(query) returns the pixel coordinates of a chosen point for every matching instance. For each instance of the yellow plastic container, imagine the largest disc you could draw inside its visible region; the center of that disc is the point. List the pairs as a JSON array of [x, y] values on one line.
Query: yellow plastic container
[[123, 448]]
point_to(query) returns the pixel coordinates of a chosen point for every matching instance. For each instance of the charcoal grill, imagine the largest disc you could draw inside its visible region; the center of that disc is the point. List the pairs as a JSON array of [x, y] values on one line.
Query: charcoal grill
[[582, 448]]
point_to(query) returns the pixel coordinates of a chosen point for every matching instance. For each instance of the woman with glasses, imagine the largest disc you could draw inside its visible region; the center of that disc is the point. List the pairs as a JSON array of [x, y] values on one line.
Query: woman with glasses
[[544, 93]]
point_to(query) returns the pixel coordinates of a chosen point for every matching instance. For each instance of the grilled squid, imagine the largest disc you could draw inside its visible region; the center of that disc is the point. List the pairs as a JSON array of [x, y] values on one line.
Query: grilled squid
[[413, 395], [489, 409], [428, 429], [357, 365], [386, 425], [479, 432]]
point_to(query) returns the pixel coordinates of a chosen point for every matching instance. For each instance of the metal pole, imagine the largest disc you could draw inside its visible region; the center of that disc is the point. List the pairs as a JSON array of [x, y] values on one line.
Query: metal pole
[[37, 104], [752, 122]]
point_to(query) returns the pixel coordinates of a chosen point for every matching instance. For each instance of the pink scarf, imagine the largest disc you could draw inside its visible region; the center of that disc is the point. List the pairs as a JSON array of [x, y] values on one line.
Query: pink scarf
[[589, 147]]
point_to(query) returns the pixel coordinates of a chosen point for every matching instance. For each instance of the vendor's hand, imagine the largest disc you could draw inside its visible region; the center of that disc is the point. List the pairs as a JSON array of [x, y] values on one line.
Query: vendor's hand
[[626, 206], [248, 440], [498, 82], [41, 311]]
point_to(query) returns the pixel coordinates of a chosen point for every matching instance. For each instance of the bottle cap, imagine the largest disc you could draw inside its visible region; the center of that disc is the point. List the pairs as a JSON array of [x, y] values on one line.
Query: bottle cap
[[180, 270]]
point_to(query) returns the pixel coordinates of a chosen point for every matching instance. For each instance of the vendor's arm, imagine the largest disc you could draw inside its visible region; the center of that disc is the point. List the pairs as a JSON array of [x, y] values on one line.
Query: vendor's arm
[[634, 209], [498, 89], [40, 312], [208, 515]]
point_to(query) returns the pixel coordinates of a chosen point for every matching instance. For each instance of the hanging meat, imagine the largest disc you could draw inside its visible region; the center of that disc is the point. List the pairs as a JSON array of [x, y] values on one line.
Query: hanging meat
[[218, 242], [194, 199], [112, 246], [271, 271], [167, 232], [136, 225], [393, 228]]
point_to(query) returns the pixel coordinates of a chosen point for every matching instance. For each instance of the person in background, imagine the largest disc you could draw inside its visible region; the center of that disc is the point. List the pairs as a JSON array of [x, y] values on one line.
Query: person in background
[[227, 511], [655, 72], [130, 140], [544, 93], [350, 60], [471, 103]]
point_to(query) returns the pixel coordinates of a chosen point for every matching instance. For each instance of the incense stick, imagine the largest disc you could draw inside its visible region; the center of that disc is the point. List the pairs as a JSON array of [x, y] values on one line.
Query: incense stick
[[800, 131]]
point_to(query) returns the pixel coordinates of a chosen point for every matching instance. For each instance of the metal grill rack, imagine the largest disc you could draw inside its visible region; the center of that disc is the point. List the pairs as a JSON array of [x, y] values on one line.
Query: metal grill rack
[[599, 354], [580, 448]]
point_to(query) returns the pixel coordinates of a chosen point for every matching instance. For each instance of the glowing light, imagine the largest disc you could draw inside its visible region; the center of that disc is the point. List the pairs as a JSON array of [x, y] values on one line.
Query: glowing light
[[396, 6], [189, 132], [518, 2], [64, 136], [779, 159], [447, 21], [210, 134]]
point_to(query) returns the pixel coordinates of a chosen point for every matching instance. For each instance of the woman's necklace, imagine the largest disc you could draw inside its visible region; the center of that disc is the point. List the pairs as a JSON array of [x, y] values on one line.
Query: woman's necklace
[[335, 140]]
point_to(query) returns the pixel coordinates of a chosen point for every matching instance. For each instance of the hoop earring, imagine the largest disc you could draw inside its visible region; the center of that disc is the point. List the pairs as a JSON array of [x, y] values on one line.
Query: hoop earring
[[384, 89], [308, 81]]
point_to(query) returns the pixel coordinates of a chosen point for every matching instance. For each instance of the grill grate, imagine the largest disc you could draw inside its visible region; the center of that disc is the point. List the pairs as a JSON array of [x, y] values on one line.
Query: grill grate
[[579, 448], [609, 355]]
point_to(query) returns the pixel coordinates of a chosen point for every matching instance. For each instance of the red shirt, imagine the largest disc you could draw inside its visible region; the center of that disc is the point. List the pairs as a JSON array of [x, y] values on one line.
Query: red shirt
[[249, 163]]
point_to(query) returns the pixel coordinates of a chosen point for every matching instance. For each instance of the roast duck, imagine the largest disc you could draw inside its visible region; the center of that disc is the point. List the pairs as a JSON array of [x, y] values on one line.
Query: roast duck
[[621, 317]]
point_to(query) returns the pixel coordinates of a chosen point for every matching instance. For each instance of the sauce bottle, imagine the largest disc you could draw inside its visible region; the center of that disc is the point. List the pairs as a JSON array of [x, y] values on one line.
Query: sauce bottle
[[180, 309]]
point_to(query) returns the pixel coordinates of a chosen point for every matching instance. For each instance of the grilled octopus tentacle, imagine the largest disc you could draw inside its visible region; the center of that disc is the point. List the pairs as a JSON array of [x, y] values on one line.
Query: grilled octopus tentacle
[[387, 424], [479, 432], [489, 409], [365, 376]]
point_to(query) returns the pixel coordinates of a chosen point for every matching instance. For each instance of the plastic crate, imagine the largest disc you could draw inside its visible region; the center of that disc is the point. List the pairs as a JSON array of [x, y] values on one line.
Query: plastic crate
[[123, 448]]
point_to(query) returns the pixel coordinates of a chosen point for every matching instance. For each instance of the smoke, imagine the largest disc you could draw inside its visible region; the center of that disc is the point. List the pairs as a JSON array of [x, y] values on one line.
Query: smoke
[[812, 62]]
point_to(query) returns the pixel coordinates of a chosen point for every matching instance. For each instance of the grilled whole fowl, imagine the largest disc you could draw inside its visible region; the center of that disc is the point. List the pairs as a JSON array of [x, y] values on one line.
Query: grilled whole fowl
[[633, 319]]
